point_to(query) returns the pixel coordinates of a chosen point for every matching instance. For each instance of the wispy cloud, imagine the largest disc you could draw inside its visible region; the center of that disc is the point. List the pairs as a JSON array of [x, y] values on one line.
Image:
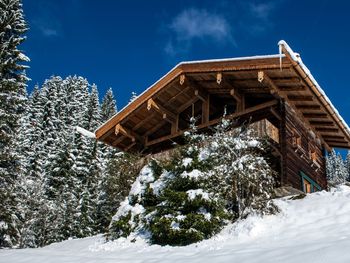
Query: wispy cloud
[[262, 10], [47, 29], [260, 16], [197, 24], [48, 20]]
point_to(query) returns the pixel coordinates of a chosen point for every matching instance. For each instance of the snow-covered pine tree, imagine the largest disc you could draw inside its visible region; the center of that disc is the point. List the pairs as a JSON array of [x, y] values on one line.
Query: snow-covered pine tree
[[93, 110], [108, 109], [190, 196], [32, 201], [89, 191], [335, 169], [109, 106], [347, 163], [12, 101]]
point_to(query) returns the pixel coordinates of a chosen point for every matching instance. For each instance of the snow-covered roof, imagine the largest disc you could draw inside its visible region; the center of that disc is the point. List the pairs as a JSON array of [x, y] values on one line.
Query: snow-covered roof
[[281, 64], [296, 58], [190, 63]]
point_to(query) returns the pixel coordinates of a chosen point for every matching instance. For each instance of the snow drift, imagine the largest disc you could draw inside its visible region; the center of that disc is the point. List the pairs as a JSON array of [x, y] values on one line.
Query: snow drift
[[315, 228]]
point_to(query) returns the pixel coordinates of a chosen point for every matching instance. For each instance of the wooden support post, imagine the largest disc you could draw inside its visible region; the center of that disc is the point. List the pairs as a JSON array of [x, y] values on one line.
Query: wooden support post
[[175, 125], [205, 110], [239, 99], [276, 114], [201, 94]]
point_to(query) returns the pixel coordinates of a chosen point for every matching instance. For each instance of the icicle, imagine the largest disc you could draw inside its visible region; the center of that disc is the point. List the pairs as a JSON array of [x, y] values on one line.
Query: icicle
[[280, 53]]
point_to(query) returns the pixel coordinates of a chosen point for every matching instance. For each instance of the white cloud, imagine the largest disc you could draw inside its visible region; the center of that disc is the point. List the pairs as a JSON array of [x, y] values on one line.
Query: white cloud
[[193, 24], [48, 32], [262, 10]]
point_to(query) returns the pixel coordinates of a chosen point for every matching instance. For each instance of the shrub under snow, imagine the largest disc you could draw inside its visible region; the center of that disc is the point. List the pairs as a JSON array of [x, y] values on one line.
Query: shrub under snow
[[205, 185]]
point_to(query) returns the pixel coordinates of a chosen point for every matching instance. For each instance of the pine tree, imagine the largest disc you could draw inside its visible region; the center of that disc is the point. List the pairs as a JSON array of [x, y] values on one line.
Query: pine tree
[[93, 155], [12, 101], [347, 163], [108, 107], [336, 169], [30, 189], [93, 114]]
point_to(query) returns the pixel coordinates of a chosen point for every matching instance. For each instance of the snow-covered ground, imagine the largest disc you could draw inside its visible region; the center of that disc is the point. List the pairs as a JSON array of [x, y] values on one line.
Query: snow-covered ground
[[313, 229]]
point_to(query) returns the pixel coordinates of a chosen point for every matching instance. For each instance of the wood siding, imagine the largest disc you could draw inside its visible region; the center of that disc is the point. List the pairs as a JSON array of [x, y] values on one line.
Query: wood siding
[[303, 154]]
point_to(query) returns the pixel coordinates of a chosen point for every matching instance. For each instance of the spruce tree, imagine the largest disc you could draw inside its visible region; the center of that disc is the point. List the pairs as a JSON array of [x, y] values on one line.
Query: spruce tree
[[108, 107], [12, 103], [348, 165], [30, 188], [335, 169]]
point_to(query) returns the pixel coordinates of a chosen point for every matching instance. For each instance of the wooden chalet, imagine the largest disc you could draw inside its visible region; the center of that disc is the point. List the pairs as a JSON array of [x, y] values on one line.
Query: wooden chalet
[[277, 93]]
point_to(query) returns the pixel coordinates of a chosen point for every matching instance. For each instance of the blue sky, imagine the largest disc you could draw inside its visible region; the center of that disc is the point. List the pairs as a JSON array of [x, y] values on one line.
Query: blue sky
[[128, 45]]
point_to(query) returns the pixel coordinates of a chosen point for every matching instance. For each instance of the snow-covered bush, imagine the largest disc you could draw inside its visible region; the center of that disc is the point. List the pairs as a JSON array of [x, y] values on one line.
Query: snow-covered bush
[[212, 180]]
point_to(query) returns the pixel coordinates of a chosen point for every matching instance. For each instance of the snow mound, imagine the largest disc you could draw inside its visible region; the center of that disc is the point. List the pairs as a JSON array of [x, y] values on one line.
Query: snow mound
[[315, 228]]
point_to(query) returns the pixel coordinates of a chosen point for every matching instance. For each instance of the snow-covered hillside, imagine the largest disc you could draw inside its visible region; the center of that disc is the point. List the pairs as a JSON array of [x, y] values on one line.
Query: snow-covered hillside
[[315, 229]]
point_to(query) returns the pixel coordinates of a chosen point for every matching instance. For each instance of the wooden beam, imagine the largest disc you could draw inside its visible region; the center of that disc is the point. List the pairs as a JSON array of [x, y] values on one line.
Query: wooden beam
[[287, 80], [338, 145], [247, 111], [166, 114], [206, 110], [235, 95], [307, 107], [321, 129], [322, 123], [336, 140], [175, 125], [300, 98], [119, 129], [145, 120], [201, 94], [218, 78], [292, 88], [276, 114], [182, 79], [118, 140], [130, 146], [154, 128], [315, 115], [265, 79], [187, 104], [331, 137]]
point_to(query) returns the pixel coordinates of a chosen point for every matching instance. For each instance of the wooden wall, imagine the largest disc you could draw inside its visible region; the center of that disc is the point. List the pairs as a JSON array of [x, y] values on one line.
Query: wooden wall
[[298, 158]]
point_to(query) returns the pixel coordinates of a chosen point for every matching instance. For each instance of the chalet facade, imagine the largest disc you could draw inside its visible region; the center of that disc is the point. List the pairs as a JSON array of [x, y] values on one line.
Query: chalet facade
[[277, 93]]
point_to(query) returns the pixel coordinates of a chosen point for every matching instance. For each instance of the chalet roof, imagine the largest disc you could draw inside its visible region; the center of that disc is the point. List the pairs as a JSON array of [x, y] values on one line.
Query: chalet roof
[[284, 76]]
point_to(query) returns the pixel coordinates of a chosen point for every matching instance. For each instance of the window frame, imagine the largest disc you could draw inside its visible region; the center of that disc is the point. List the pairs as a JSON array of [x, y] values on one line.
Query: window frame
[[314, 186]]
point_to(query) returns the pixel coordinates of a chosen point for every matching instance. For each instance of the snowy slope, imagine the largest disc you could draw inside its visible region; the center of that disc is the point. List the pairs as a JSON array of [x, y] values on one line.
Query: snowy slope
[[314, 229]]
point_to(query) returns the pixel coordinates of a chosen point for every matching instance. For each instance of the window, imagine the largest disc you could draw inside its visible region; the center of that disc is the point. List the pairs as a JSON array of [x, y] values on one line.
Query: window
[[308, 185]]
